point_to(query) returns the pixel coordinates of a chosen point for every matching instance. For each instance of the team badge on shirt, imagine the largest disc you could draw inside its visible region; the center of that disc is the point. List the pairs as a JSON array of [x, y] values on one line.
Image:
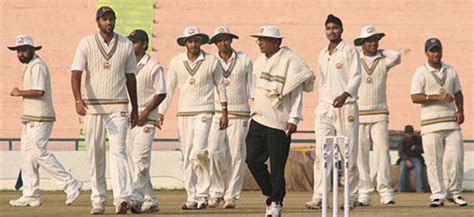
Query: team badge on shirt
[[32, 124], [338, 65], [204, 119], [351, 118], [146, 130]]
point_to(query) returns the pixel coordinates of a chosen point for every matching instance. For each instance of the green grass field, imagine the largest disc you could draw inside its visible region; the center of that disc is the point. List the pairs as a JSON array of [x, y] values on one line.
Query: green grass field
[[251, 204]]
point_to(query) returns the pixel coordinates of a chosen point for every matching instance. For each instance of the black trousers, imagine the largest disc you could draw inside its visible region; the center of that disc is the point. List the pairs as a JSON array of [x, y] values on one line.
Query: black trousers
[[264, 142]]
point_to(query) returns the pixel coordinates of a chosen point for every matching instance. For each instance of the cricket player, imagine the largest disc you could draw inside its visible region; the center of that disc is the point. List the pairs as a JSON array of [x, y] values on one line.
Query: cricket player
[[227, 150], [151, 91], [196, 74], [337, 113], [38, 119], [436, 87], [373, 116], [108, 61]]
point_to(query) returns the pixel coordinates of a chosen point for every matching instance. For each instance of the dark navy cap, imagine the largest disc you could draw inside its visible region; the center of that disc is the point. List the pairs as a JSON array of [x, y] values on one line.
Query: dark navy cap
[[104, 10], [138, 35], [431, 43]]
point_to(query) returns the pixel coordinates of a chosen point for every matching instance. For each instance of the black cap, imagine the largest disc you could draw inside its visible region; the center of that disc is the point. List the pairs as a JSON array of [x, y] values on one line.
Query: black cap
[[409, 129], [138, 35], [104, 10], [333, 19], [431, 43]]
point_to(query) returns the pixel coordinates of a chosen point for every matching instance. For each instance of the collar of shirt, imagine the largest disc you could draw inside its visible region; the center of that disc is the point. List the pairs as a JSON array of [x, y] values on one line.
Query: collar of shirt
[[226, 64], [338, 47], [200, 57], [370, 59], [436, 71], [105, 45], [144, 60], [365, 57]]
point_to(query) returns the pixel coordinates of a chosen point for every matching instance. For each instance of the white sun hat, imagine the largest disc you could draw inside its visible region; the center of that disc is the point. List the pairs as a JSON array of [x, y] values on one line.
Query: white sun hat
[[222, 30], [190, 32], [367, 32], [268, 31], [24, 40]]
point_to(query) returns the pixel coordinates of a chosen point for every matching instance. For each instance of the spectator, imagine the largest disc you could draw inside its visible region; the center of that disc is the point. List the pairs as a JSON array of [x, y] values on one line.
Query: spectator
[[410, 150]]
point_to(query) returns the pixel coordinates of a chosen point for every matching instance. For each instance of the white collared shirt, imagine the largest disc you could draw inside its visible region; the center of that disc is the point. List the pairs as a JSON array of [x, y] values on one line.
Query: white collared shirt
[[437, 115], [418, 81], [192, 64], [225, 65], [38, 75], [80, 58], [339, 72], [196, 91], [158, 79]]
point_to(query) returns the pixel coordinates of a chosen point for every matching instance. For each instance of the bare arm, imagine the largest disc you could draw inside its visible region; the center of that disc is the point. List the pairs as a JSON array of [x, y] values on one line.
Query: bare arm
[[132, 90], [459, 99], [81, 108], [132, 93], [155, 102], [218, 81], [76, 85]]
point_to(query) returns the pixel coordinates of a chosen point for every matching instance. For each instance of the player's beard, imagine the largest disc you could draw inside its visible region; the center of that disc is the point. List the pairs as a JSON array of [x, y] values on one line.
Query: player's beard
[[26, 59]]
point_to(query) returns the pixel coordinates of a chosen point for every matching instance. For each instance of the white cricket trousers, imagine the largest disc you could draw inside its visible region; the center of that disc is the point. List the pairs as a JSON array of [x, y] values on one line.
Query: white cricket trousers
[[139, 143], [116, 126], [376, 132], [227, 153], [444, 158], [34, 142], [332, 121], [193, 133]]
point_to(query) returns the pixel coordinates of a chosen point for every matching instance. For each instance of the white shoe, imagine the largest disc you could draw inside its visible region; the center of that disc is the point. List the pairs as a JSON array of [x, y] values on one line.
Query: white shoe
[[214, 202], [229, 204], [364, 201], [458, 200], [189, 205], [25, 201], [387, 200], [73, 195], [314, 204], [202, 203], [122, 207], [97, 209], [149, 207], [269, 211], [437, 203], [274, 210]]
